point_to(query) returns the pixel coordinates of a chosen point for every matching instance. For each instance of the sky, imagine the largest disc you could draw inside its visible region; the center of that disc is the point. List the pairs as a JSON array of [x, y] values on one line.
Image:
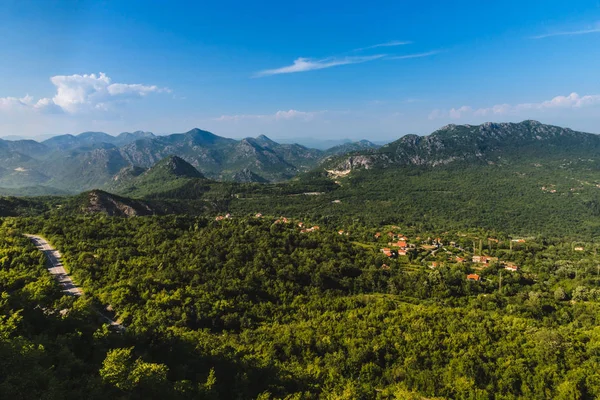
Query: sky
[[312, 69]]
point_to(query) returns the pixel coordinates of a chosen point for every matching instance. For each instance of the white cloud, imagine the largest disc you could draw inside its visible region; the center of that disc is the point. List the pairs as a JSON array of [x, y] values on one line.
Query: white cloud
[[14, 103], [595, 29], [416, 55], [306, 64], [303, 64], [457, 113], [278, 116], [81, 93], [392, 43], [572, 101]]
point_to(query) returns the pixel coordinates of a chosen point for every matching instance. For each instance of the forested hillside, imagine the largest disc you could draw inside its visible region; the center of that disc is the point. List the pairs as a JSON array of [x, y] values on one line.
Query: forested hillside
[[475, 278], [265, 308]]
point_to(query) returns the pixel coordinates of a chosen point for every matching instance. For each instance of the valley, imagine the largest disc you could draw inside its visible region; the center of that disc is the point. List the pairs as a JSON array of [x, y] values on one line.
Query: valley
[[444, 266]]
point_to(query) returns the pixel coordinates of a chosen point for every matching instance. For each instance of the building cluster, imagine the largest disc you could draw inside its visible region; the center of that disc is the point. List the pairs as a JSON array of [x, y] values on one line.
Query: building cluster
[[436, 249], [398, 246], [222, 217]]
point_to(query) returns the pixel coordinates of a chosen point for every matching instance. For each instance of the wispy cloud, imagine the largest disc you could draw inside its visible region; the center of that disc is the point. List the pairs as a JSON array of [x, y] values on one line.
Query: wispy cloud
[[278, 116], [81, 93], [416, 55], [572, 101], [308, 64], [594, 29], [392, 43]]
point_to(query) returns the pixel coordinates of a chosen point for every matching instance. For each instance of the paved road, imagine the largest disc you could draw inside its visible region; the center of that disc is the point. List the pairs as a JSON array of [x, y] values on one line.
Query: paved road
[[57, 270]]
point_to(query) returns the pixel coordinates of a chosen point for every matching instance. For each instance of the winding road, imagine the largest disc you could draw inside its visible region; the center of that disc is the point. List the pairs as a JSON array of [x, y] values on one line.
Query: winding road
[[58, 271], [55, 266]]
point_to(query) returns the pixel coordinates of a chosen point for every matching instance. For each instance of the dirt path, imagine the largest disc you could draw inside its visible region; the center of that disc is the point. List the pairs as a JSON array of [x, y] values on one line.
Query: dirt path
[[57, 270], [55, 266]]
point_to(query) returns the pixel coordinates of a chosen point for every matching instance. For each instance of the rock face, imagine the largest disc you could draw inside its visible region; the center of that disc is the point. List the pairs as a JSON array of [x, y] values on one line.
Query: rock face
[[484, 143], [247, 176], [98, 201]]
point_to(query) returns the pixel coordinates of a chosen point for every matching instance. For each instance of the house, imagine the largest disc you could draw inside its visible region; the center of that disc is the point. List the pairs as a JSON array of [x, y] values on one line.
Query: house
[[402, 252], [402, 244], [300, 224], [385, 266], [484, 260], [578, 248], [473, 277], [377, 235], [387, 251], [336, 201], [460, 260], [511, 267], [259, 215], [434, 265], [220, 218], [340, 232]]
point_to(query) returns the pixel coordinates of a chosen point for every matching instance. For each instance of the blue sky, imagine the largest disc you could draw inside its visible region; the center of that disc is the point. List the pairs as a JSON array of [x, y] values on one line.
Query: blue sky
[[350, 69]]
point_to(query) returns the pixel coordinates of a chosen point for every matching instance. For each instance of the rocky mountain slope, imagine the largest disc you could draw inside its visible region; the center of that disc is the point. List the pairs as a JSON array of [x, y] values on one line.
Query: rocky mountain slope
[[98, 201], [486, 143], [98, 160]]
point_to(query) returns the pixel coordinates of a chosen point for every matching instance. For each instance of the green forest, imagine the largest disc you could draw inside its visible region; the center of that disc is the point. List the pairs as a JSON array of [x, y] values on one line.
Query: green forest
[[263, 308]]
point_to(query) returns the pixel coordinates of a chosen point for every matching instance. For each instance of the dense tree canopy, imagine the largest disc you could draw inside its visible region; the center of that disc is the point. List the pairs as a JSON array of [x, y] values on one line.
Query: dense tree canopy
[[257, 308]]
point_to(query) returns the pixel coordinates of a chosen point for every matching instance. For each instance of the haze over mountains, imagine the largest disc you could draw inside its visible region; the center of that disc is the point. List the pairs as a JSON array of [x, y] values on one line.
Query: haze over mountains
[[123, 163], [93, 159]]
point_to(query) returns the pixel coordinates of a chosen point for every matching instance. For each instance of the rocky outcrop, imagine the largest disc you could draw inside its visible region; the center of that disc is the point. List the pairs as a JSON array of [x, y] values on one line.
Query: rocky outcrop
[[98, 201], [247, 176], [471, 143]]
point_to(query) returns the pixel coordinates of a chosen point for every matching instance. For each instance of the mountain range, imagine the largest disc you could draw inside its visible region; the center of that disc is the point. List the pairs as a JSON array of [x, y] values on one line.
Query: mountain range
[[485, 143], [74, 163], [516, 177]]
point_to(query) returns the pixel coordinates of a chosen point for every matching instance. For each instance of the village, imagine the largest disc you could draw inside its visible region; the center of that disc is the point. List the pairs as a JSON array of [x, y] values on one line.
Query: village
[[436, 252], [410, 252]]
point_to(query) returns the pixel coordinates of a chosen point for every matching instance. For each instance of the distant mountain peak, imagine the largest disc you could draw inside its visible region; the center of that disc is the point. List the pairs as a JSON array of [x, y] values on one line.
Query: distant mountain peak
[[175, 166], [90, 134], [247, 176], [135, 135], [263, 140], [200, 132], [202, 137]]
